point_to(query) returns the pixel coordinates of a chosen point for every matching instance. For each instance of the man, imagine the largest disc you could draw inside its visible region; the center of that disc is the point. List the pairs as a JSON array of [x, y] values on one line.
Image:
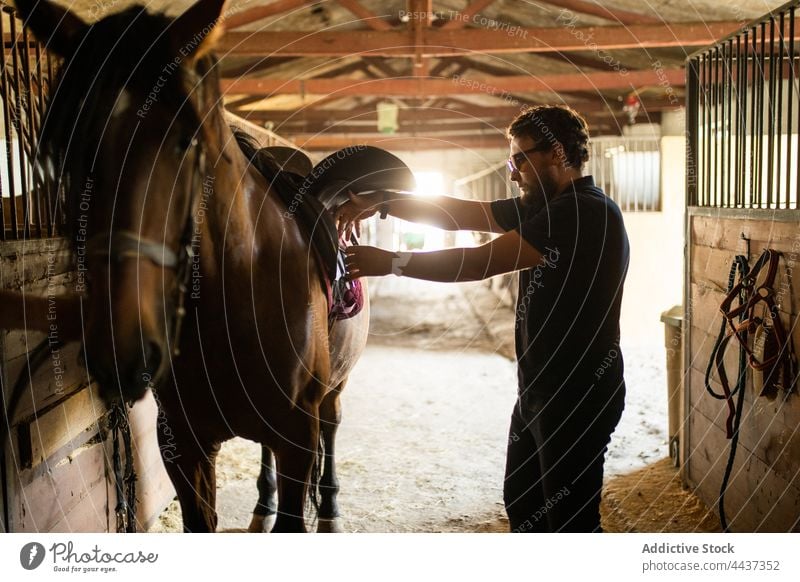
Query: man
[[568, 242]]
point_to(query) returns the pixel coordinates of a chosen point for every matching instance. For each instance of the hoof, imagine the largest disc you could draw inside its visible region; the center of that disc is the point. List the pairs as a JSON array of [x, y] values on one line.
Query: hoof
[[262, 523], [329, 525]]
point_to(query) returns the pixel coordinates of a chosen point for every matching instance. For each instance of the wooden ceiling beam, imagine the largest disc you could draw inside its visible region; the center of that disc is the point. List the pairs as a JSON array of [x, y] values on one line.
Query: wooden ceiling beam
[[440, 68], [420, 22], [243, 102], [595, 9], [234, 19], [346, 70], [420, 126], [496, 86], [487, 68], [255, 67], [392, 143], [425, 127], [434, 42], [381, 65], [411, 114]]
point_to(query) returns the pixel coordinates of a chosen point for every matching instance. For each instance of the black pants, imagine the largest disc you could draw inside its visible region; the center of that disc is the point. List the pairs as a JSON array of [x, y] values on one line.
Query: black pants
[[554, 464]]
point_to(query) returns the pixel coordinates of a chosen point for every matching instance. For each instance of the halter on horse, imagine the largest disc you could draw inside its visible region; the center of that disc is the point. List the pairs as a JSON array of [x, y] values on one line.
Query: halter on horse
[[156, 185]]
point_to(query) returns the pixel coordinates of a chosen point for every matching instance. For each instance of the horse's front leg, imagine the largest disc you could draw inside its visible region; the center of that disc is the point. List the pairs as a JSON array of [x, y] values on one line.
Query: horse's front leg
[[295, 458], [330, 415], [266, 509], [192, 470]]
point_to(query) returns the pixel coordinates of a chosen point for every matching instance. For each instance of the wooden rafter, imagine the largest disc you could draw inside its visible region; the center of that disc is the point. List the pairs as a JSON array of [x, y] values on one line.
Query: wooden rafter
[[346, 69], [234, 20], [334, 126], [243, 102], [368, 17], [497, 86], [258, 66], [440, 68], [463, 113], [578, 61], [596, 9], [438, 42], [461, 19], [422, 16], [324, 142], [488, 68], [381, 65]]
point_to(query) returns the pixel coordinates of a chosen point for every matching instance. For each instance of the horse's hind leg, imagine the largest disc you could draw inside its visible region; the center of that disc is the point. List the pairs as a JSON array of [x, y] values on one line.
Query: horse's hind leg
[[330, 415], [266, 508], [193, 473]]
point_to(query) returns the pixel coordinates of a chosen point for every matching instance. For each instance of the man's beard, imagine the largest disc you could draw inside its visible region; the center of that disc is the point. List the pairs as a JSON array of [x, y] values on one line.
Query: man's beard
[[537, 194]]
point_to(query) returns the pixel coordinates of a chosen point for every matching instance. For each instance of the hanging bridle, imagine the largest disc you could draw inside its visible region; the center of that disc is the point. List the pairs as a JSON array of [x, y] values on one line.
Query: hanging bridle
[[779, 367]]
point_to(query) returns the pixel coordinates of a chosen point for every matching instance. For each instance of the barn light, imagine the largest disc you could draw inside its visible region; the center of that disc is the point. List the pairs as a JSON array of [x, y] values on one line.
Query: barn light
[[387, 117]]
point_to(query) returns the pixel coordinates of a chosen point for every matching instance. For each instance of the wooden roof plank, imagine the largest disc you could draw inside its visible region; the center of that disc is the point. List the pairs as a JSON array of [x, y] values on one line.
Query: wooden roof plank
[[497, 86], [435, 42]]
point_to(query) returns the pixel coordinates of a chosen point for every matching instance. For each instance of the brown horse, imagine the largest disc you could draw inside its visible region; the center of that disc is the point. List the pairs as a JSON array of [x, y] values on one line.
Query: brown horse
[[170, 218]]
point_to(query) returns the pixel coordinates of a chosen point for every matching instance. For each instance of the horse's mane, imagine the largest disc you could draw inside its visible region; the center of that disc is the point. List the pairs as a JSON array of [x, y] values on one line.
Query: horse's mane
[[262, 161], [129, 50], [257, 156]]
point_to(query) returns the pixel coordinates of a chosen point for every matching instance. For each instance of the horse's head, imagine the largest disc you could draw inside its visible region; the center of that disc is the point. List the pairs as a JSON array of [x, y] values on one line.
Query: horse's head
[[121, 134]]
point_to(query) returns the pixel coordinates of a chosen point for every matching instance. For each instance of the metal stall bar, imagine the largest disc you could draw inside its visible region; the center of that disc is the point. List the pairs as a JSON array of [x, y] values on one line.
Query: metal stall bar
[[29, 109], [791, 99], [40, 185], [724, 100], [692, 118], [738, 124], [7, 93], [762, 60], [770, 114], [715, 130], [18, 129], [729, 84], [753, 123], [707, 87]]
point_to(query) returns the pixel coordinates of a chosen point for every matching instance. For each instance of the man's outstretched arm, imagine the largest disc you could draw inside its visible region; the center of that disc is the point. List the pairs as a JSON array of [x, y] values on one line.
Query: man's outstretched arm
[[507, 253], [445, 212]]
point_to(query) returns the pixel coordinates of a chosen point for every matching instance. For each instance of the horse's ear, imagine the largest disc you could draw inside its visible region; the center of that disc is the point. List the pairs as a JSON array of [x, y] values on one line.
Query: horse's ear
[[196, 30], [58, 28]]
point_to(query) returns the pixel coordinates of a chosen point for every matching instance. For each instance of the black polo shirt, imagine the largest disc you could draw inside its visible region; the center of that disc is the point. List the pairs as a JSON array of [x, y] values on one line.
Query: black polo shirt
[[568, 307]]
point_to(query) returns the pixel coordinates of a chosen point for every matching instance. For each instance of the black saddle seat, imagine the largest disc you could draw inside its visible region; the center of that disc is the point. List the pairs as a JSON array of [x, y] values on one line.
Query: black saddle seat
[[313, 198]]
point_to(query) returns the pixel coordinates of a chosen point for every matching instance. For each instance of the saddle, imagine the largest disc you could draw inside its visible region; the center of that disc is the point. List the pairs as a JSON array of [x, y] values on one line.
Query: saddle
[[312, 194], [764, 344]]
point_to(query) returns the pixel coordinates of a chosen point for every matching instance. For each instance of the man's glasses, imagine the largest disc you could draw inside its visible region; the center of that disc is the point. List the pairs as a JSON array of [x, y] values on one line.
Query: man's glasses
[[515, 162]]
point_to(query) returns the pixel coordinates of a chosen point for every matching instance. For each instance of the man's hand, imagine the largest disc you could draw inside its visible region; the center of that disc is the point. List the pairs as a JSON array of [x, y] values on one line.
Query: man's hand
[[350, 214], [363, 261]]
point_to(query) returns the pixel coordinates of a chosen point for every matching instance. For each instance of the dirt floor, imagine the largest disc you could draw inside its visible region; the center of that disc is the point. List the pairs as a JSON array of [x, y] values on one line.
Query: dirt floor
[[422, 443]]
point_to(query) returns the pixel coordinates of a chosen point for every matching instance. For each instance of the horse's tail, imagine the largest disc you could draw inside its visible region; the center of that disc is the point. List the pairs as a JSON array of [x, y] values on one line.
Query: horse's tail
[[314, 488]]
